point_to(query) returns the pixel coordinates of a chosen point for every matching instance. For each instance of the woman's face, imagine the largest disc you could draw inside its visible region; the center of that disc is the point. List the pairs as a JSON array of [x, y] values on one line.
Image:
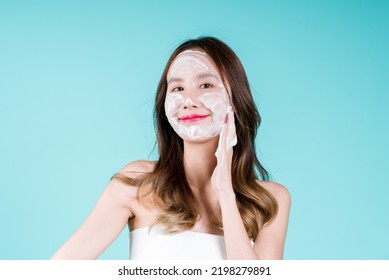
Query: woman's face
[[197, 101]]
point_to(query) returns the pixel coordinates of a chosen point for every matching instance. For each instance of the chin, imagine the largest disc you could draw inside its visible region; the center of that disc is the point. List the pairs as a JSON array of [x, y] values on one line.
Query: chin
[[200, 139]]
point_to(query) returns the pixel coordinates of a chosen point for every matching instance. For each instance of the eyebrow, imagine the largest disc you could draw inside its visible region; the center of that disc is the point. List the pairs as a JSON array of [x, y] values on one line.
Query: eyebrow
[[200, 76], [175, 80], [206, 75]]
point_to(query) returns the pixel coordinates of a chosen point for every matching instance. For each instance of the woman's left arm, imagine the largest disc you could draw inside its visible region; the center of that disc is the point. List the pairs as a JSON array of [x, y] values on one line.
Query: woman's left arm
[[270, 241], [269, 244]]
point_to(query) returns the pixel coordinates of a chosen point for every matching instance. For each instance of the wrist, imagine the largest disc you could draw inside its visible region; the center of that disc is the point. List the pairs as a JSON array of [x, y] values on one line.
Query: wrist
[[226, 196]]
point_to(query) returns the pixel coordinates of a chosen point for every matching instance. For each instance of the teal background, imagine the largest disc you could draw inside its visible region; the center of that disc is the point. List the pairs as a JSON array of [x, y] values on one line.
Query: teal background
[[77, 85]]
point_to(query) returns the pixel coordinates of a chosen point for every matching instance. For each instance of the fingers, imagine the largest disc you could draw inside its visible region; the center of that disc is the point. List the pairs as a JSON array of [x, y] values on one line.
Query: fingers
[[222, 140], [232, 139], [227, 137]]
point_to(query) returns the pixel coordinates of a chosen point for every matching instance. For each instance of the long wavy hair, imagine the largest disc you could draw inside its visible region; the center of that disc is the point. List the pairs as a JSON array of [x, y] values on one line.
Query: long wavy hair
[[174, 196]]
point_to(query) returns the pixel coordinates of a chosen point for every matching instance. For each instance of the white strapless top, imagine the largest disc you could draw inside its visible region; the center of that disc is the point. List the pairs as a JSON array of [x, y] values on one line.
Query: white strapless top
[[187, 245]]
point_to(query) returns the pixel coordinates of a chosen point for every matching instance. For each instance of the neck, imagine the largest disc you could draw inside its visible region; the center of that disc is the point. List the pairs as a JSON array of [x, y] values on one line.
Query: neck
[[199, 162]]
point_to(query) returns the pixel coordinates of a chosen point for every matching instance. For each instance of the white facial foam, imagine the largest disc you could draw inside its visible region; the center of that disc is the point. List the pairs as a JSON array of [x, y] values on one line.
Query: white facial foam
[[187, 66]]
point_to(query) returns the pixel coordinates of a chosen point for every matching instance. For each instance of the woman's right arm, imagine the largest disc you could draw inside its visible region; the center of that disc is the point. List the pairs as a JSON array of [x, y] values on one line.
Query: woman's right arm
[[104, 224]]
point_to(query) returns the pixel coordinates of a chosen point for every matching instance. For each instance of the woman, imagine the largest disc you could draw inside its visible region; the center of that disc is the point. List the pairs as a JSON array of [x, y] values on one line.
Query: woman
[[202, 198]]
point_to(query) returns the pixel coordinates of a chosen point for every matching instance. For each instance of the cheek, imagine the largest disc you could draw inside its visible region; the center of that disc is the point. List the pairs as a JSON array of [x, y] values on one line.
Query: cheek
[[173, 103], [216, 102]]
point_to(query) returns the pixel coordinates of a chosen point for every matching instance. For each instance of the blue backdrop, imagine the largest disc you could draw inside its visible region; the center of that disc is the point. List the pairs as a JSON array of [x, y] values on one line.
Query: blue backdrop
[[77, 85]]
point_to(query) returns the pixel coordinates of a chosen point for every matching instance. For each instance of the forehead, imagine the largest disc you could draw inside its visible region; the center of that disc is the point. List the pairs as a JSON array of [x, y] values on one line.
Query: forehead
[[192, 61]]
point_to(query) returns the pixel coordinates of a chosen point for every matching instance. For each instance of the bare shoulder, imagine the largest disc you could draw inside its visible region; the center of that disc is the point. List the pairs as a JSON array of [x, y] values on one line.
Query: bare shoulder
[[270, 241], [133, 170], [124, 192], [138, 167], [278, 191]]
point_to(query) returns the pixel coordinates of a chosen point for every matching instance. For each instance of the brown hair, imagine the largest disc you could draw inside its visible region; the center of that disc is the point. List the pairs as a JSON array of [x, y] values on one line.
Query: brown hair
[[177, 202]]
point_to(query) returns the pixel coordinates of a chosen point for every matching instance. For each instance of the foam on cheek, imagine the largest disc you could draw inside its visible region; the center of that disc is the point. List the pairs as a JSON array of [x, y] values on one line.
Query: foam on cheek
[[216, 102], [219, 105], [173, 103]]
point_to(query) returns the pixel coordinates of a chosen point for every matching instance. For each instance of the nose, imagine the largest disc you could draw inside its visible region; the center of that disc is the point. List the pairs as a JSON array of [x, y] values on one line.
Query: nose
[[191, 100], [188, 102]]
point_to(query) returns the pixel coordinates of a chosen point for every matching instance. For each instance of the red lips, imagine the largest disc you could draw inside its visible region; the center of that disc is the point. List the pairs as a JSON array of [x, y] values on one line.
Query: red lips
[[193, 118]]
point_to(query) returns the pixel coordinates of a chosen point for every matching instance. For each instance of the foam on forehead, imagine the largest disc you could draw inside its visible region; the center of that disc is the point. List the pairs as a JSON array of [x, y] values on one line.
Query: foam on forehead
[[189, 60], [180, 65], [192, 52]]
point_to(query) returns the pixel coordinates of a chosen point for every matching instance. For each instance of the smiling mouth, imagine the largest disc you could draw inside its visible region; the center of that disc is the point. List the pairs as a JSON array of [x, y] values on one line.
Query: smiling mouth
[[193, 118]]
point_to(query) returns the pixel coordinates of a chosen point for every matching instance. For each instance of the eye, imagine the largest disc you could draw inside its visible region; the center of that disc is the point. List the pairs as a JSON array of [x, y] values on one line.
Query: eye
[[206, 86], [177, 89]]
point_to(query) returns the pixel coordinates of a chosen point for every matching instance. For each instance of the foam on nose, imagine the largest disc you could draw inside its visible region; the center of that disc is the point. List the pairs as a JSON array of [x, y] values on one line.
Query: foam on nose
[[188, 102]]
